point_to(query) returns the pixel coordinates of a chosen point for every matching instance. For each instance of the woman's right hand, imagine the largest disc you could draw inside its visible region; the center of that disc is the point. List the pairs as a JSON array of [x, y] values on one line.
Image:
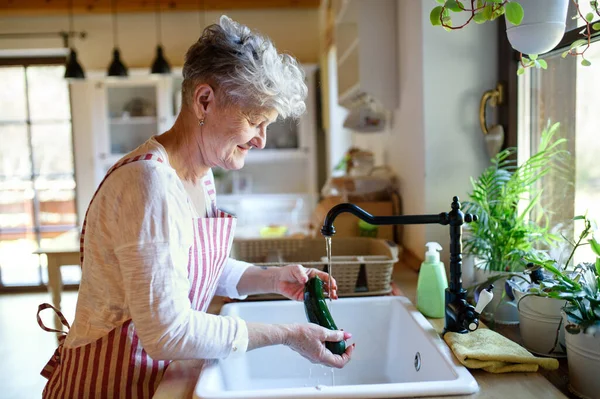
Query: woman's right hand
[[309, 341]]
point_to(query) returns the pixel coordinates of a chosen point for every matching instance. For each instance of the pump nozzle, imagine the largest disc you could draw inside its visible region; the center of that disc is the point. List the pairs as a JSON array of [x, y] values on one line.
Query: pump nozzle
[[432, 254]]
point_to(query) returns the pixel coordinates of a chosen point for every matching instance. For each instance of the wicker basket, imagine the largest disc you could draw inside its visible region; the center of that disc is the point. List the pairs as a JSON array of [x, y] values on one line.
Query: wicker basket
[[375, 257]]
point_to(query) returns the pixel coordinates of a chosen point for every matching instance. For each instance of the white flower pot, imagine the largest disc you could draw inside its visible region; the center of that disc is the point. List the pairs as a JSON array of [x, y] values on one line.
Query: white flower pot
[[539, 333], [542, 27], [539, 306], [583, 354]]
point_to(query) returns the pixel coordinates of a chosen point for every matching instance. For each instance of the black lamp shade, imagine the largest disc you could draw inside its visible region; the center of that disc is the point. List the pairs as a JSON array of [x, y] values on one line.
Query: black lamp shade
[[73, 69], [117, 68], [160, 64]]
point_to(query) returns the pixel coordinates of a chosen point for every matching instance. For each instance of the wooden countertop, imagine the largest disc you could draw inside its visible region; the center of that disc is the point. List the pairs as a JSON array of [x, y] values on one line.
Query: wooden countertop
[[180, 378], [515, 385]]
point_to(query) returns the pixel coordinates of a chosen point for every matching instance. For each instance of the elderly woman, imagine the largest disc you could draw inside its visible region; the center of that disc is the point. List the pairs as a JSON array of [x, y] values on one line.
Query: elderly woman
[[155, 248]]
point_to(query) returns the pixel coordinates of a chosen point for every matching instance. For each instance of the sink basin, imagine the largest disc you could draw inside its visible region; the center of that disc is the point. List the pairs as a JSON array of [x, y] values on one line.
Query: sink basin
[[398, 354]]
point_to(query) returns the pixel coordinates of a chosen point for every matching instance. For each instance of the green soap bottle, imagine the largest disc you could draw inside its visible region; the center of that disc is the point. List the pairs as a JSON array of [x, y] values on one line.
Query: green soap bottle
[[432, 283]]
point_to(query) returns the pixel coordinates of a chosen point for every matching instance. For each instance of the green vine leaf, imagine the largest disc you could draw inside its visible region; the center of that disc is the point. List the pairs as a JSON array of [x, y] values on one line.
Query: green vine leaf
[[578, 43], [589, 17], [479, 18], [514, 12], [595, 246], [435, 15], [442, 2], [585, 62], [543, 64], [488, 11], [533, 57], [596, 26], [521, 71], [565, 54], [454, 5]]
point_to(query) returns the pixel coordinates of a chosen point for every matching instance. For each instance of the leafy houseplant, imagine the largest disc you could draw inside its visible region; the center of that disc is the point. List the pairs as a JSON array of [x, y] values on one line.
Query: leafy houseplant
[[482, 11], [580, 287], [504, 233]]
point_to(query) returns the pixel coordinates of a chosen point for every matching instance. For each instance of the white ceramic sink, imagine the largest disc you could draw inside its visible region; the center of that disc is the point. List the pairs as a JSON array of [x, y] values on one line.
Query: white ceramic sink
[[397, 354]]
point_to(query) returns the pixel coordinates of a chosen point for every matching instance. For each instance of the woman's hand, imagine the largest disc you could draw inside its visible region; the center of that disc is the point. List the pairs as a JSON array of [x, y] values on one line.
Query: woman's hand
[[290, 281], [309, 341]]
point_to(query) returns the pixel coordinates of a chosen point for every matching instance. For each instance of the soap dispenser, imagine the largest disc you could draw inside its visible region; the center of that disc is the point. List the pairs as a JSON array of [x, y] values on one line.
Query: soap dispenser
[[432, 283]]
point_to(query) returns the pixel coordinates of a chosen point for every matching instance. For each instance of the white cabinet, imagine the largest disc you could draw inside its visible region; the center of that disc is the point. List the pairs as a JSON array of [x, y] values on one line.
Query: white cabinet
[[365, 41], [113, 116]]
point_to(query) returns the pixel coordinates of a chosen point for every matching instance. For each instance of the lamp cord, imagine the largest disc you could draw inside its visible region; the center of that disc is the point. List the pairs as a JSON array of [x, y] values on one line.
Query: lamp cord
[[158, 25], [70, 32], [114, 18]]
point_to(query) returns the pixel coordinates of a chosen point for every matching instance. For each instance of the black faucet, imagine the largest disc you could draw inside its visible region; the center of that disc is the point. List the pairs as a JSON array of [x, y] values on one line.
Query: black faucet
[[461, 317]]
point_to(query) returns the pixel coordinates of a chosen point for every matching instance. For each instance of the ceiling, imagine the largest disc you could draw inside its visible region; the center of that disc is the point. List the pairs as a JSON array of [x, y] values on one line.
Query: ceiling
[[50, 7]]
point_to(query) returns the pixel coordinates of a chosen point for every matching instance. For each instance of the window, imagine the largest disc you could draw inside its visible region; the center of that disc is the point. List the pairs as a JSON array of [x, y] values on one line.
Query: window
[[37, 185], [564, 93]]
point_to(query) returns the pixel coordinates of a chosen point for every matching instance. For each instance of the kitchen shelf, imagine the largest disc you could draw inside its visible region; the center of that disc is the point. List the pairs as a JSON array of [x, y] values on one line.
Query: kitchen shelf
[[134, 120], [350, 49], [365, 45], [276, 155]]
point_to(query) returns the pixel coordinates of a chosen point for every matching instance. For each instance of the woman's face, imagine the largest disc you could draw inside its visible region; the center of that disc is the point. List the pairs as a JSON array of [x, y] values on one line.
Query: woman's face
[[229, 132]]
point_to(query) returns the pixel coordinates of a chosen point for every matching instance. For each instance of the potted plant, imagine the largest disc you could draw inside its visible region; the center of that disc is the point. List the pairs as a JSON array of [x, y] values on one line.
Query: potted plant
[[580, 288], [505, 232], [533, 26], [540, 314]]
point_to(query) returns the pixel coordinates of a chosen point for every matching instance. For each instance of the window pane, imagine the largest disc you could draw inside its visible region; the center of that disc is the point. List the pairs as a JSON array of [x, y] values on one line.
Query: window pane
[[52, 148], [48, 93], [14, 151], [587, 148], [585, 8], [565, 93], [16, 206], [18, 263], [56, 197], [12, 94]]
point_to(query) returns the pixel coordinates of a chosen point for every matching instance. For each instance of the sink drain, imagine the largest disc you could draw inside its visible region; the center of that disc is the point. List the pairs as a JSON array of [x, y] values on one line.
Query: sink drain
[[417, 361]]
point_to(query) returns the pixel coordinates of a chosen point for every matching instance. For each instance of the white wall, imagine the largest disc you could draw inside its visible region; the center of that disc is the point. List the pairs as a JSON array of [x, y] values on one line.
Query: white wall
[[435, 143], [294, 31]]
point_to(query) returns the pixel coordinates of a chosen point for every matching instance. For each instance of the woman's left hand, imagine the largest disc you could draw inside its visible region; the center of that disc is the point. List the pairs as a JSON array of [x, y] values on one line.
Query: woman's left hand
[[291, 279]]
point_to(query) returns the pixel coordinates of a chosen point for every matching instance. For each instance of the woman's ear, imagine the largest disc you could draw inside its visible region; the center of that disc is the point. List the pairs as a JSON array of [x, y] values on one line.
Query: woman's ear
[[204, 100]]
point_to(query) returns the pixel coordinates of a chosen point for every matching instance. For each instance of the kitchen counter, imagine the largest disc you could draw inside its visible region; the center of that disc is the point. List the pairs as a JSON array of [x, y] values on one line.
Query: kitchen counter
[[181, 376]]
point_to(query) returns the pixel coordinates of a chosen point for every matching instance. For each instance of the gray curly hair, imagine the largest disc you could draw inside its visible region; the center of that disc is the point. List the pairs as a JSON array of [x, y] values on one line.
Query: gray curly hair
[[244, 68]]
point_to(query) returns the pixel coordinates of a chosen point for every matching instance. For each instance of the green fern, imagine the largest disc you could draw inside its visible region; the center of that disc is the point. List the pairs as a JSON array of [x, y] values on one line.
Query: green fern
[[503, 233]]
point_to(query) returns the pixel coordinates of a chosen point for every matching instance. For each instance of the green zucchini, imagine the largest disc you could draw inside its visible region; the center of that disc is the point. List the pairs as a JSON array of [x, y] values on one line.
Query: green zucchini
[[317, 312]]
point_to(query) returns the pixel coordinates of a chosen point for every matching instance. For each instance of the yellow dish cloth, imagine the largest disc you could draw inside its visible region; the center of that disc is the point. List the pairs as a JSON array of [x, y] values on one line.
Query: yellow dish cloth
[[488, 350]]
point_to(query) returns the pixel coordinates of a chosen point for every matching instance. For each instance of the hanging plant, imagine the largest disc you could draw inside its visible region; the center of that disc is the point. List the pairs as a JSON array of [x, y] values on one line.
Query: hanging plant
[[515, 11]]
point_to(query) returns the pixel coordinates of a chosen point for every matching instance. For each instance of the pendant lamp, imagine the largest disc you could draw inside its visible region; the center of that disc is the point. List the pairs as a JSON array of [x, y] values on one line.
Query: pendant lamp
[[73, 69], [116, 68], [160, 64]]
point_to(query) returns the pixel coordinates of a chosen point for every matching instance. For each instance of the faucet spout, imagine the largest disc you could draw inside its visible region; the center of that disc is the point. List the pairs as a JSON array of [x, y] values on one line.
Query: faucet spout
[[328, 230], [460, 316]]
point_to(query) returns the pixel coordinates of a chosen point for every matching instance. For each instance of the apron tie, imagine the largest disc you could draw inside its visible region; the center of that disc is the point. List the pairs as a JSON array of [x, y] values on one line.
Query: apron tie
[[55, 359]]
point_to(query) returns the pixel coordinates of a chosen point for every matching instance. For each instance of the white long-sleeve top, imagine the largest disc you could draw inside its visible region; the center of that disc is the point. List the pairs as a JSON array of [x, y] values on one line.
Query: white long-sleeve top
[[136, 256]]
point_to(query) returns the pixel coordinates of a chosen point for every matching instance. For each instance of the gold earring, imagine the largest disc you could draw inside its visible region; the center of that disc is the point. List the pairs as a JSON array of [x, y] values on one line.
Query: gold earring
[[201, 122]]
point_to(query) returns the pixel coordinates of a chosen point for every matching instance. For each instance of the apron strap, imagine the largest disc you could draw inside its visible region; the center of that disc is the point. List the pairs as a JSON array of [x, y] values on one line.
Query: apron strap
[[211, 209], [123, 162], [54, 361], [62, 318]]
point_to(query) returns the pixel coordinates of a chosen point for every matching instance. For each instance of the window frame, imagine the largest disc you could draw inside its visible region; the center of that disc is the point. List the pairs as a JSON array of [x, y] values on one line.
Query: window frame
[[25, 62]]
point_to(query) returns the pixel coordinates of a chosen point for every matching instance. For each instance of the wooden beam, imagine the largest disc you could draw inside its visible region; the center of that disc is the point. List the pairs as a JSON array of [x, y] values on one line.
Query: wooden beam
[[58, 7]]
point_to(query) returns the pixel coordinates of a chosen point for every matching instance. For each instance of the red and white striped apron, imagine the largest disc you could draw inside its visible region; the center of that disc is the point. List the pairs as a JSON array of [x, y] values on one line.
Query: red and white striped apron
[[116, 365]]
